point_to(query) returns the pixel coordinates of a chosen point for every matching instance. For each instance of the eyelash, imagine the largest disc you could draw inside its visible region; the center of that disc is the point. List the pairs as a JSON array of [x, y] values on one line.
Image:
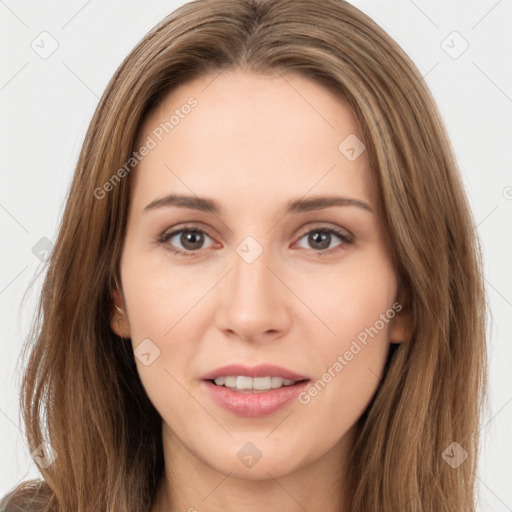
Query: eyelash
[[347, 238]]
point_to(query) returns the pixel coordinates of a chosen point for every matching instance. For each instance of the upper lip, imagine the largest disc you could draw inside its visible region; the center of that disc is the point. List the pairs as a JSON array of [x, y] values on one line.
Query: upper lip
[[261, 370]]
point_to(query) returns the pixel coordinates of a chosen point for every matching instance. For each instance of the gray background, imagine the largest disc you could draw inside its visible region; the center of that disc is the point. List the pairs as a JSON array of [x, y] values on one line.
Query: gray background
[[47, 103]]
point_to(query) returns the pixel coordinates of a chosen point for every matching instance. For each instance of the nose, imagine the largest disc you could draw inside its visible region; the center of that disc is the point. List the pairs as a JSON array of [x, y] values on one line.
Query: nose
[[255, 302]]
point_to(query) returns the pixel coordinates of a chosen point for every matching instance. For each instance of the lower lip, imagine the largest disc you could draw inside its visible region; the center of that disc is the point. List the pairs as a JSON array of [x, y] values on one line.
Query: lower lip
[[255, 405]]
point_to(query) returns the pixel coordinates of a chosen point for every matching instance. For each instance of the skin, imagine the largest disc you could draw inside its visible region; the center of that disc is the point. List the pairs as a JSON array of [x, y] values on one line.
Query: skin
[[253, 143]]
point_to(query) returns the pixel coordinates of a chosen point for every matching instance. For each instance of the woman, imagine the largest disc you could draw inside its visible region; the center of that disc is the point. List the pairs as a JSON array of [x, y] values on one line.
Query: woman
[[195, 349]]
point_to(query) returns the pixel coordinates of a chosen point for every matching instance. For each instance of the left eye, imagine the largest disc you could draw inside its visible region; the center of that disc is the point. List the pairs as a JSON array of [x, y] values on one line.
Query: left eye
[[322, 237]]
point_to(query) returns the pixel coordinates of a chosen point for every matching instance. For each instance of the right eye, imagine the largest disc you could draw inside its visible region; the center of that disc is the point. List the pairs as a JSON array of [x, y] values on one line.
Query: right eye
[[191, 239]]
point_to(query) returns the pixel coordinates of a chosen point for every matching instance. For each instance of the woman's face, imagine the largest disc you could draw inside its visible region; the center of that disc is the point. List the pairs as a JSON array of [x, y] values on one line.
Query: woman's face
[[268, 275]]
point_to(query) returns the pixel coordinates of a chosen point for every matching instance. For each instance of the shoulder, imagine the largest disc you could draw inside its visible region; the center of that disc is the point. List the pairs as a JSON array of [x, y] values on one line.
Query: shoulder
[[28, 496]]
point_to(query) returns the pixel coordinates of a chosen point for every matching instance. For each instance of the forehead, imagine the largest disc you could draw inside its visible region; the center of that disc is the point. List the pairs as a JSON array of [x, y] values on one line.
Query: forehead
[[279, 134]]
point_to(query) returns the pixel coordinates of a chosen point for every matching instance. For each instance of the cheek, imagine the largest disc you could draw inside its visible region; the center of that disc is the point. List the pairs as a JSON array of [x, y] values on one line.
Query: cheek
[[349, 299], [164, 306], [160, 309], [157, 295], [351, 342]]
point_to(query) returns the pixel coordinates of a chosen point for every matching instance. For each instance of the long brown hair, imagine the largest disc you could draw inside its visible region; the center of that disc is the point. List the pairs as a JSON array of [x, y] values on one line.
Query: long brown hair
[[81, 391]]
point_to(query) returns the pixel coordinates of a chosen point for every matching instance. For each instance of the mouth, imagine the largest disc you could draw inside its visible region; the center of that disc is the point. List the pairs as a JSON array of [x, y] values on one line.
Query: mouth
[[253, 391], [251, 385]]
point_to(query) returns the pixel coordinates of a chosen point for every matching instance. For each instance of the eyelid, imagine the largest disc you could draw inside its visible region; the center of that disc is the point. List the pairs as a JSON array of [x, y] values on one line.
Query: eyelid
[[324, 226]]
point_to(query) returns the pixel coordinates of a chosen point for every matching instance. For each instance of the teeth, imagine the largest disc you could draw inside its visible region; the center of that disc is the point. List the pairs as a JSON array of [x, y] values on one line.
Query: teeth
[[230, 382], [244, 383], [241, 382], [220, 381]]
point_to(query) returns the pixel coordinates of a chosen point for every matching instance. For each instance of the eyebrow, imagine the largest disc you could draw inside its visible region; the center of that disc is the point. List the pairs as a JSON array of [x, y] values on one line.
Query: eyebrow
[[296, 206]]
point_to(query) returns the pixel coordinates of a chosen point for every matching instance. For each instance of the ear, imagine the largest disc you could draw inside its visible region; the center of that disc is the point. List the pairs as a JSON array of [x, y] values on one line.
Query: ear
[[119, 321], [400, 326]]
